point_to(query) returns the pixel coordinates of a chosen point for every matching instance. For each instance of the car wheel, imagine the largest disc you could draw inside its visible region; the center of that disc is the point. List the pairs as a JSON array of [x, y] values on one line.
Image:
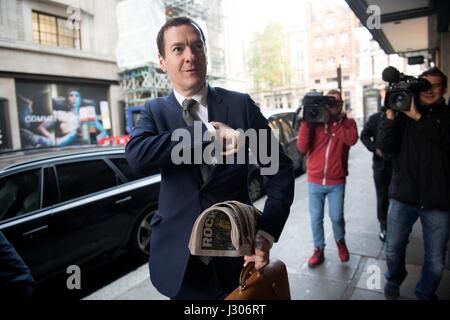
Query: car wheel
[[140, 239], [255, 187]]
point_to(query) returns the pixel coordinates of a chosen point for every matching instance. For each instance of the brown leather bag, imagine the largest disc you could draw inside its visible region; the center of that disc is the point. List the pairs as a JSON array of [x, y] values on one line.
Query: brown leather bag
[[270, 283]]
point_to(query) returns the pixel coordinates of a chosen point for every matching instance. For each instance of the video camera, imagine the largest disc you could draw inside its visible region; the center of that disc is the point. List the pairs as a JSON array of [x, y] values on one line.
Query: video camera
[[315, 107], [402, 88]]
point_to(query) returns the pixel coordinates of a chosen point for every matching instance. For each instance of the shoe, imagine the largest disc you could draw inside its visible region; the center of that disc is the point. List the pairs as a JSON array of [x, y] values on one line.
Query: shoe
[[342, 250], [391, 291], [317, 258], [382, 235]]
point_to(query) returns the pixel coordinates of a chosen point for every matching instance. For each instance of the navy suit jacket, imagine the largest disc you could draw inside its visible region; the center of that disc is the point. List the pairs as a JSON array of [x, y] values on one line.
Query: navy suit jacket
[[184, 195]]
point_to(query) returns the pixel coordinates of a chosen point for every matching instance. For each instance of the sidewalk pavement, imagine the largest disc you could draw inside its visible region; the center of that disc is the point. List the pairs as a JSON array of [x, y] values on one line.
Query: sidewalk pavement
[[360, 278]]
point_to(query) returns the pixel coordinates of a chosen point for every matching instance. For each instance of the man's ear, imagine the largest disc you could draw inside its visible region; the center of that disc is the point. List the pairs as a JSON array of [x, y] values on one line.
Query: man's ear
[[162, 62]]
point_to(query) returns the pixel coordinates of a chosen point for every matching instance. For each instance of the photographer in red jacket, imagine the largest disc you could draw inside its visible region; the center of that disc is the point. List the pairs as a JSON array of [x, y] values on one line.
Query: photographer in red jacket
[[327, 146]]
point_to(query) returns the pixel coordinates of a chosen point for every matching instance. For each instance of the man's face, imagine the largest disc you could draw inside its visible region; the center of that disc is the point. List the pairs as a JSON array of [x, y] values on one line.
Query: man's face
[[185, 59], [435, 93], [336, 109]]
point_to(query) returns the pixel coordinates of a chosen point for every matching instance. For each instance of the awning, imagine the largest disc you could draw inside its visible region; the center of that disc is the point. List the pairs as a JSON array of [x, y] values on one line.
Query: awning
[[405, 25]]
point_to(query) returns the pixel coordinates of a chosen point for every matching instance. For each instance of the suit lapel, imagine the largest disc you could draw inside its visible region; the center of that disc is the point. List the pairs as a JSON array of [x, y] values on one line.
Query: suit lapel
[[217, 110], [176, 114]]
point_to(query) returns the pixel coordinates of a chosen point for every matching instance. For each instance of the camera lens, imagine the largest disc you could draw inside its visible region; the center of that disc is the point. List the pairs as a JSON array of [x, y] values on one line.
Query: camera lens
[[314, 113], [399, 101]]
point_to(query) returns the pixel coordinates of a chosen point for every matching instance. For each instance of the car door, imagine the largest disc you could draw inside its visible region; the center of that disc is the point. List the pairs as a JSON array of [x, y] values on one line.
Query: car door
[[89, 220], [26, 218]]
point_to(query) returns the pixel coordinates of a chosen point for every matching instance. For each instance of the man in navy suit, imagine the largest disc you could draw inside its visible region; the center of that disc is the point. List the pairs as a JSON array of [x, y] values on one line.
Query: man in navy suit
[[188, 189]]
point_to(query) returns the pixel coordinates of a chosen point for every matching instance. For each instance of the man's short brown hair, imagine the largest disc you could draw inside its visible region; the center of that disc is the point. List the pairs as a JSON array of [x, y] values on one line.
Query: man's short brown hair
[[175, 22], [435, 71], [334, 91]]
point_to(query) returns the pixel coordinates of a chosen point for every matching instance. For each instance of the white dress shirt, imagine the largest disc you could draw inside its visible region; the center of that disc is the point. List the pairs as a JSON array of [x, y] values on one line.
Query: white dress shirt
[[200, 109]]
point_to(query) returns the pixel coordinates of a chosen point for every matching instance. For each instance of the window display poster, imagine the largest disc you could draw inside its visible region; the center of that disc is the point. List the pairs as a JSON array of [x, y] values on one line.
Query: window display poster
[[61, 114]]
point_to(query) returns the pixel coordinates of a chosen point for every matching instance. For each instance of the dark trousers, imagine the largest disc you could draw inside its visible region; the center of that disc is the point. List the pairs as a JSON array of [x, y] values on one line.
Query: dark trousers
[[382, 178], [435, 230], [212, 281]]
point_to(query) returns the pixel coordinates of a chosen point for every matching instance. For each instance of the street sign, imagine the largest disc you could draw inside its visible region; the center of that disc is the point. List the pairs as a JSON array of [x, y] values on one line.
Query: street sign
[[416, 60]]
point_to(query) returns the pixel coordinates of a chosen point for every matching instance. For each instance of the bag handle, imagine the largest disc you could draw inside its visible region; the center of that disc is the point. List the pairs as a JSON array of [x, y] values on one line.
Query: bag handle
[[245, 274]]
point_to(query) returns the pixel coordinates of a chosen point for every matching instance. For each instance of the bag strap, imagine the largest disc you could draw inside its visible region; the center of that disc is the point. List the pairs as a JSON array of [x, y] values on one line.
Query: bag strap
[[245, 274]]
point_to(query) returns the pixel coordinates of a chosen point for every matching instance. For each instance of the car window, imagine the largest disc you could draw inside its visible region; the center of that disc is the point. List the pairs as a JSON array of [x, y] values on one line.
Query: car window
[[286, 129], [129, 173], [275, 129], [20, 193], [50, 189], [82, 178]]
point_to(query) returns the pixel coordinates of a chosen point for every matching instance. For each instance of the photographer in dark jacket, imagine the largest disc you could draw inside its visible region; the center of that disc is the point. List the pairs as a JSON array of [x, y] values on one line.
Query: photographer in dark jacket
[[419, 139], [382, 169]]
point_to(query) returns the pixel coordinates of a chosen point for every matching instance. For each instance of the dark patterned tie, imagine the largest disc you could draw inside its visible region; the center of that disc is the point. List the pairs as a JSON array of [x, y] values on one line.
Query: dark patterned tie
[[188, 116]]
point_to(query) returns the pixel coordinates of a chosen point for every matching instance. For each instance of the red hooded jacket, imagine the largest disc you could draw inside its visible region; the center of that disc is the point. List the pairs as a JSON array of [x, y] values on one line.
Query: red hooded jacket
[[327, 146]]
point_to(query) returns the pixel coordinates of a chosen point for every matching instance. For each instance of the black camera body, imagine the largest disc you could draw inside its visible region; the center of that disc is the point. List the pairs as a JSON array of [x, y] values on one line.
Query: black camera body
[[402, 89], [315, 107]]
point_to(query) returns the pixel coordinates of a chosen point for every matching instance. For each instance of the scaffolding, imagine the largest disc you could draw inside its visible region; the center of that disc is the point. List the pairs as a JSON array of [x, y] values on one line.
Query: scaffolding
[[148, 81], [141, 84]]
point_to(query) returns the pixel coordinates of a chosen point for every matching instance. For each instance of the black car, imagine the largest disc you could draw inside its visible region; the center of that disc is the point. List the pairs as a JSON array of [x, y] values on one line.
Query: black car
[[62, 207], [285, 128]]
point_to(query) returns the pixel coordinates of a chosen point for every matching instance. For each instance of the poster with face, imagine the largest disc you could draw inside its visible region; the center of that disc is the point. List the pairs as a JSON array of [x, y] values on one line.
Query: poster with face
[[61, 114]]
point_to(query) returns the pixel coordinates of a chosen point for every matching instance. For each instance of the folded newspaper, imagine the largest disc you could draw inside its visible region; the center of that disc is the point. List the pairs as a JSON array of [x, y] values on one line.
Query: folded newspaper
[[226, 229]]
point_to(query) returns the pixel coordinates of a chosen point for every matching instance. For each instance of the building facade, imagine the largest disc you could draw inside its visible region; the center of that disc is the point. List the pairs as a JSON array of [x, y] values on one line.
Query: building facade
[[332, 44], [289, 94], [58, 73]]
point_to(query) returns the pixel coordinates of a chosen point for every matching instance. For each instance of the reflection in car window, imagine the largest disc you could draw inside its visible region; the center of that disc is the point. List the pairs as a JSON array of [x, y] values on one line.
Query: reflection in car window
[[275, 129], [130, 174], [82, 178], [286, 129], [20, 194]]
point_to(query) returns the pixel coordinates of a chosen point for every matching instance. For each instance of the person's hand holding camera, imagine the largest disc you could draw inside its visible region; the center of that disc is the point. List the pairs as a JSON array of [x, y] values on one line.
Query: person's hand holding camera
[[413, 113]]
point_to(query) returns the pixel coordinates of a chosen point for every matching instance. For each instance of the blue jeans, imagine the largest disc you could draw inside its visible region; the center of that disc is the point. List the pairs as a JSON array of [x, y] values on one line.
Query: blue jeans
[[335, 195], [435, 229]]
